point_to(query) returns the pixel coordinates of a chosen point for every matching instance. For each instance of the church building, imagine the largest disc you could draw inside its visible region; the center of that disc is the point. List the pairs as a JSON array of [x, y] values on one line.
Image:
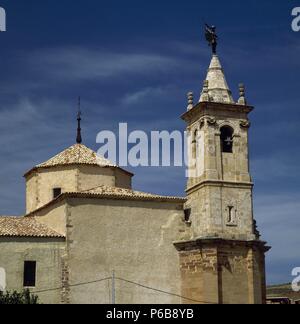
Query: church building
[[88, 237]]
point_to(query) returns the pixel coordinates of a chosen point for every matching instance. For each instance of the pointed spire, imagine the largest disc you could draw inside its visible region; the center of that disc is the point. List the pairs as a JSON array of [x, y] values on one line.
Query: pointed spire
[[79, 137], [217, 90]]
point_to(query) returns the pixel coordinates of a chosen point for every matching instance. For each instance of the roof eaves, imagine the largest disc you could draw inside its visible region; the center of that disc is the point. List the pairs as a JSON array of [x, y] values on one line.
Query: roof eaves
[[58, 236], [127, 197], [65, 195], [36, 168]]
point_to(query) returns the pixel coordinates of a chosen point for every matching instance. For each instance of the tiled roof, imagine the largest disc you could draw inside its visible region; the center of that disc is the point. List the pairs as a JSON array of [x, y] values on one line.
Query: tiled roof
[[77, 154], [25, 227], [106, 191], [112, 193]]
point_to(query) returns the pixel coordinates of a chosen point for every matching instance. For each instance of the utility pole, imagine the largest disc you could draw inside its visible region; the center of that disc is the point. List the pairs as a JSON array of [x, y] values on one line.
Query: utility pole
[[113, 294]]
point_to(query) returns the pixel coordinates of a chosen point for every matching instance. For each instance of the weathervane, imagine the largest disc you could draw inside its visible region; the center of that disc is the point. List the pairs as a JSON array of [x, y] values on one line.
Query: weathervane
[[212, 37], [79, 138]]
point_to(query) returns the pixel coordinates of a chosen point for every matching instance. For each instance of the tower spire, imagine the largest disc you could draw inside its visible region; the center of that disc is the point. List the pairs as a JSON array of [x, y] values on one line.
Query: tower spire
[[215, 87], [79, 137]]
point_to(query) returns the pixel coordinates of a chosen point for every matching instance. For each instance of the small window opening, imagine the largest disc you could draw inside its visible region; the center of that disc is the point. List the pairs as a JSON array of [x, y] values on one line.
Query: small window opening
[[187, 214], [227, 139], [56, 192], [29, 273], [230, 214]]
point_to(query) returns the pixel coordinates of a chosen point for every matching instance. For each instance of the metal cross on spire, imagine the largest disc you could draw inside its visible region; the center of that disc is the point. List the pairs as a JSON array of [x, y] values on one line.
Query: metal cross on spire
[[79, 137]]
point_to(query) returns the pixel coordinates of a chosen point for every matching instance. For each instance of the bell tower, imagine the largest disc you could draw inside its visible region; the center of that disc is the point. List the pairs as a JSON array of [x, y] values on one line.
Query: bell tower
[[225, 253], [219, 183]]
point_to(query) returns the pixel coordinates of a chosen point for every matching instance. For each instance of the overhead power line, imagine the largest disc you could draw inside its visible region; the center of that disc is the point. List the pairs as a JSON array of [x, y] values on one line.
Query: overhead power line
[[74, 285], [162, 291], [113, 278]]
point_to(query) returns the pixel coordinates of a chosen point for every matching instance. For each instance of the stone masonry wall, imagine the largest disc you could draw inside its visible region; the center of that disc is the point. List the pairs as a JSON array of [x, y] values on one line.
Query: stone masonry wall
[[223, 273]]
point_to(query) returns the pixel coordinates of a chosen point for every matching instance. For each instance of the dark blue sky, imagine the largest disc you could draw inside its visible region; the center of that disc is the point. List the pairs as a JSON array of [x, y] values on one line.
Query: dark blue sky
[[134, 61]]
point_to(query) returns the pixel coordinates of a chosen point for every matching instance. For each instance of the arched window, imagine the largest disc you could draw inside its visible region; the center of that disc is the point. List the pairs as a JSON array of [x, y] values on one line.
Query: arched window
[[227, 139]]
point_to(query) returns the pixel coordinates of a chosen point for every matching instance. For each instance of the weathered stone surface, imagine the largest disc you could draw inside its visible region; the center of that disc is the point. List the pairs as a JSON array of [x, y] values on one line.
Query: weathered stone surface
[[220, 197], [70, 178], [222, 271], [46, 252], [217, 89], [220, 181]]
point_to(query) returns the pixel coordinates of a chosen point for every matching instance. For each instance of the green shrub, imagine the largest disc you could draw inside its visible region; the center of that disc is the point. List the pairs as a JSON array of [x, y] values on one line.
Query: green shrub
[[16, 298]]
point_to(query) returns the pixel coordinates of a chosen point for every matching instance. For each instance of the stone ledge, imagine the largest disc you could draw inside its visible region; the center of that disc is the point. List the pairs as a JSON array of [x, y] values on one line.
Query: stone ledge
[[205, 107], [217, 183], [216, 242]]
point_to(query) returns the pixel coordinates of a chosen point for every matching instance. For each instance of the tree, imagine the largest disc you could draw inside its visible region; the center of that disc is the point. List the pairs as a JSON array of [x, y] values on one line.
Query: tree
[[16, 298]]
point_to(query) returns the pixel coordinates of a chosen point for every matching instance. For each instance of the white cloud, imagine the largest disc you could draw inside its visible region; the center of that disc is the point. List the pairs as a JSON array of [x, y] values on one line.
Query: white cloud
[[86, 64], [143, 94]]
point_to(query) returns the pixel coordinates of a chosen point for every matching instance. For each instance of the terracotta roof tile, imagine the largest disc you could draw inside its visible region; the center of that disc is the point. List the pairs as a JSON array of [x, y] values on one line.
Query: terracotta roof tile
[[112, 193], [25, 227], [77, 154], [106, 191]]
